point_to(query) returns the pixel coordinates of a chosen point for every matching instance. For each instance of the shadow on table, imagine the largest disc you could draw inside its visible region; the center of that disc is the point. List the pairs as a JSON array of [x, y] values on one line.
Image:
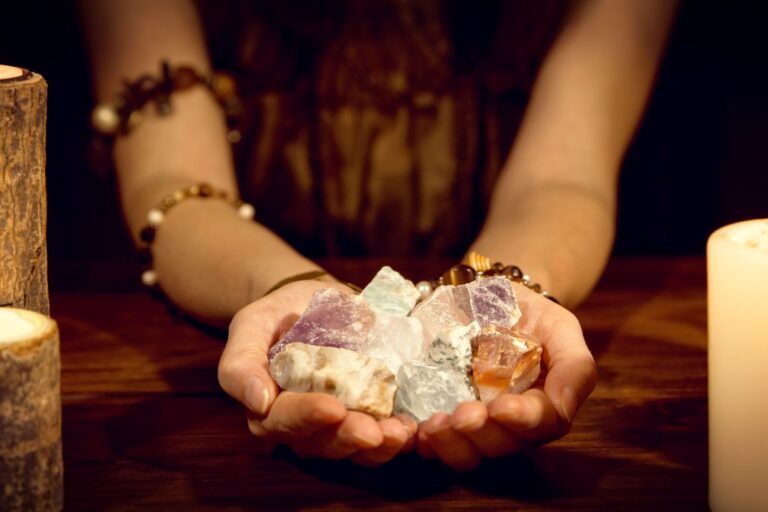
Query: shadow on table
[[550, 473]]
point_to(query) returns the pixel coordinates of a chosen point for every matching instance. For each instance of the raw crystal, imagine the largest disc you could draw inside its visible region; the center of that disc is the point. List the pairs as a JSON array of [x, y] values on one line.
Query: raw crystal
[[425, 389], [447, 308], [455, 344], [360, 382], [389, 292], [454, 347], [489, 301], [503, 361], [332, 319], [493, 302], [394, 340]]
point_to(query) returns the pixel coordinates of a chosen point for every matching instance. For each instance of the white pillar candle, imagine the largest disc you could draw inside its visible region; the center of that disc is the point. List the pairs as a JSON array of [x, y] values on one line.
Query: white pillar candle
[[737, 273]]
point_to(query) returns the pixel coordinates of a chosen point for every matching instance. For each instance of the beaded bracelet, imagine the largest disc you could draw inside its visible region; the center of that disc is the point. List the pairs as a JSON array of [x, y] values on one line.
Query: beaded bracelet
[[122, 114], [477, 266], [156, 215]]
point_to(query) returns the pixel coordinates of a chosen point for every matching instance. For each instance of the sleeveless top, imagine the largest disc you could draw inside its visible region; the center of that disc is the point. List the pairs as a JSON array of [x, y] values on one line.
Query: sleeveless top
[[377, 127]]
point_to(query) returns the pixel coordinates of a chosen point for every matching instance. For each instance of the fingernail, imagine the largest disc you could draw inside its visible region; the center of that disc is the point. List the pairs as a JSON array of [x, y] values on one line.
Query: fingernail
[[257, 396], [568, 404]]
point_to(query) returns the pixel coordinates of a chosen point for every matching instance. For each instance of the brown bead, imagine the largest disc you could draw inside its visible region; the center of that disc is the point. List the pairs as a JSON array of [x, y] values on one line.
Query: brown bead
[[536, 287], [497, 267], [185, 77], [459, 274], [512, 272], [144, 256], [205, 190], [147, 234]]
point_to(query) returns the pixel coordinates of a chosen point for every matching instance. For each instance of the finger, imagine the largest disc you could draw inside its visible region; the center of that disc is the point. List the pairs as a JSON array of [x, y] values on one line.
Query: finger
[[531, 415], [570, 380], [489, 438], [302, 414], [571, 372], [244, 368], [395, 434], [423, 446], [412, 427], [451, 447], [358, 431]]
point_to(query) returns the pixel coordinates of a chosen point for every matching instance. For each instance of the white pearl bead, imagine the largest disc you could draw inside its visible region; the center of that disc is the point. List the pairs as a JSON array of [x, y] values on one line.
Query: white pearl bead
[[246, 211], [155, 217], [526, 279], [104, 119], [424, 289], [149, 278]]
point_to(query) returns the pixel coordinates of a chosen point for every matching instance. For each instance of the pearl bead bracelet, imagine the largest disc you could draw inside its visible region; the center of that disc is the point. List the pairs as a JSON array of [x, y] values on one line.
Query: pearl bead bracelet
[[477, 266], [156, 216]]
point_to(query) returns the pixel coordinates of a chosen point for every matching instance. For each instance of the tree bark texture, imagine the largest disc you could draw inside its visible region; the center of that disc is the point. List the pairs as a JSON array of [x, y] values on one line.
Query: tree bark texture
[[23, 251], [31, 466]]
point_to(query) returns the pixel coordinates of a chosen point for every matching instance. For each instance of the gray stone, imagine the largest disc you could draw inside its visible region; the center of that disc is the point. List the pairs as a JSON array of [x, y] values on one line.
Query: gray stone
[[426, 389]]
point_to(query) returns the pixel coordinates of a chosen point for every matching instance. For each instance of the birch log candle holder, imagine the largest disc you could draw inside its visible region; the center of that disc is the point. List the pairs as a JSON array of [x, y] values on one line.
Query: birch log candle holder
[[23, 252], [30, 396], [30, 412]]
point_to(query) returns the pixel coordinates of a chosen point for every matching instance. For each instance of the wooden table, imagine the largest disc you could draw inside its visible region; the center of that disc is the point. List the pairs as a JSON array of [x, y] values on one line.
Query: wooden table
[[146, 425]]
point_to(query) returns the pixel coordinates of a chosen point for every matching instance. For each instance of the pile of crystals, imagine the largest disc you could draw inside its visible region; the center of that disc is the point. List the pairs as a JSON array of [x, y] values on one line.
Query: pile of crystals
[[380, 352]]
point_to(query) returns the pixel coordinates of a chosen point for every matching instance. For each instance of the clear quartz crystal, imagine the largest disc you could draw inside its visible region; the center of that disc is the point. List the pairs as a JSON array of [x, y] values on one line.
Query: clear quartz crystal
[[447, 308], [394, 340], [332, 319]]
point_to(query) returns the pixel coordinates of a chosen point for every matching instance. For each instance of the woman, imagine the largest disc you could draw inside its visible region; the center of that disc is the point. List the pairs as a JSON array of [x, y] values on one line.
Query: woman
[[550, 211]]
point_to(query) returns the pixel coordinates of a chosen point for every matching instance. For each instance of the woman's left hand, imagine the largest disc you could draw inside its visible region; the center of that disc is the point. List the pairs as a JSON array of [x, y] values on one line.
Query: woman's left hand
[[543, 413]]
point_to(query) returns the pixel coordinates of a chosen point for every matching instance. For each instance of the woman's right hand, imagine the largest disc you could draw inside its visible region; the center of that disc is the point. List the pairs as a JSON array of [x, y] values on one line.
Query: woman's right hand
[[311, 424]]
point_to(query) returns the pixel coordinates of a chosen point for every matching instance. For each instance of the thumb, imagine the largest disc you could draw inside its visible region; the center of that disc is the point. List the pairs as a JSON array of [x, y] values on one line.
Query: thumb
[[244, 366], [570, 379]]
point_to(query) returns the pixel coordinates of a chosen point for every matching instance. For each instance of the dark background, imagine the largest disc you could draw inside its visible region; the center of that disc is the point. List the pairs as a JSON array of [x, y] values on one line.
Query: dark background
[[700, 158]]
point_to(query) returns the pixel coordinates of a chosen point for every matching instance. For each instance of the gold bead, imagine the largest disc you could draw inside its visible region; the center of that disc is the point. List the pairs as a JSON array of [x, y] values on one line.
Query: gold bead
[[459, 274], [104, 119]]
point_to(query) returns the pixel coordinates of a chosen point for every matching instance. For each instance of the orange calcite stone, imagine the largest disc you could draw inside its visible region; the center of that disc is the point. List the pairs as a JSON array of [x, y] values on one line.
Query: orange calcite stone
[[504, 362]]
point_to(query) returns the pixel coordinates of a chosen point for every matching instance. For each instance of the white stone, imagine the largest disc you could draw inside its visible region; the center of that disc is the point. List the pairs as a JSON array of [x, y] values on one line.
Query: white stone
[[453, 347], [360, 382]]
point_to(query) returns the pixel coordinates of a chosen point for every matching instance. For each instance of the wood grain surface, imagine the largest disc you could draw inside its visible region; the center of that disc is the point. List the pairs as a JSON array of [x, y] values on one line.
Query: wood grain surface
[[146, 425]]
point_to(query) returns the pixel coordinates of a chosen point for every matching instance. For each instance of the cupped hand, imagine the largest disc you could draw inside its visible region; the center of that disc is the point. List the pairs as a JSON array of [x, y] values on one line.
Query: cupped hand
[[311, 424], [543, 413]]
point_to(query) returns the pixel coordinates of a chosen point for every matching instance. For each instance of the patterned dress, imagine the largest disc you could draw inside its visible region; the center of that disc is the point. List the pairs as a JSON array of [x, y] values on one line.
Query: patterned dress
[[378, 127]]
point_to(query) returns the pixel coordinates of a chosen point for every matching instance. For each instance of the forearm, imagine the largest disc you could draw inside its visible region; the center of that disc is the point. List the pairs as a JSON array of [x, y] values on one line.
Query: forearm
[[560, 235], [553, 209], [209, 261]]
